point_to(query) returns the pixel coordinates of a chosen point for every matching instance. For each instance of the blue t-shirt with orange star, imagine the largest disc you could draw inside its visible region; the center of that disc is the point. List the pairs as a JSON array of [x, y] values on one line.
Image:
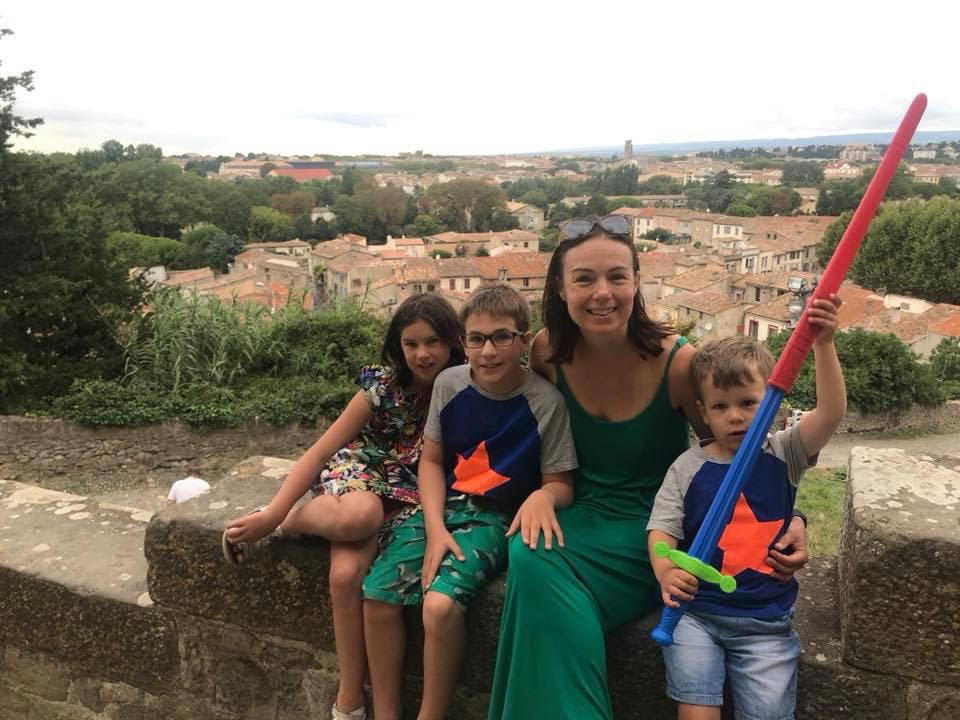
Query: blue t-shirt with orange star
[[499, 446], [761, 515]]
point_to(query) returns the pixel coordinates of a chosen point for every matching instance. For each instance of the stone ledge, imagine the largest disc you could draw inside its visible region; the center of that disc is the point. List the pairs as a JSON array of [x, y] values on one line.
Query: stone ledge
[[188, 574], [215, 647], [71, 575], [900, 550], [97, 634]]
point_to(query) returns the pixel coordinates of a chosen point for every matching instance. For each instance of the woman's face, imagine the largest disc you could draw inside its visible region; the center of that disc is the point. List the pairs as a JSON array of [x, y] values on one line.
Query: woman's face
[[599, 285]]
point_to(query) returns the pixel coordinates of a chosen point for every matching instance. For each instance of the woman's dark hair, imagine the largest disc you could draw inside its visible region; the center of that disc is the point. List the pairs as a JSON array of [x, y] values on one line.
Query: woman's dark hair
[[644, 332], [441, 316]]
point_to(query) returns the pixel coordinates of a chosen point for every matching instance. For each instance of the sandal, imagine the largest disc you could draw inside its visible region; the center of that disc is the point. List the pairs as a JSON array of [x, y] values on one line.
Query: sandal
[[240, 552], [359, 714]]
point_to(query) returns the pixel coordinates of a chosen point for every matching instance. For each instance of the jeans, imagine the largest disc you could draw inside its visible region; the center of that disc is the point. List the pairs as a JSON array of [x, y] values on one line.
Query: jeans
[[760, 657]]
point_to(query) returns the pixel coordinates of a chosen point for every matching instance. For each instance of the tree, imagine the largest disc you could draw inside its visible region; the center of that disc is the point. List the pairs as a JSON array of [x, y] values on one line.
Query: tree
[[537, 198], [597, 206], [660, 235], [945, 359], [269, 225], [425, 225], [659, 185], [502, 221], [911, 248], [773, 200], [129, 250], [740, 209], [620, 181], [798, 172], [880, 372], [482, 252], [839, 196], [150, 197], [723, 179], [62, 299], [209, 245], [548, 239], [298, 202], [60, 296], [465, 205]]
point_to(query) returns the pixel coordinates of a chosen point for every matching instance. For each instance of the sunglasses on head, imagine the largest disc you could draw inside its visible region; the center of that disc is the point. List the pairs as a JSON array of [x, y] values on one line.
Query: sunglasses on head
[[581, 227]]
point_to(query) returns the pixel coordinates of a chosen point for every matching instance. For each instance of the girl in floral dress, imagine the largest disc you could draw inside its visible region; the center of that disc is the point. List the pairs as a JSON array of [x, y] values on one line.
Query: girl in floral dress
[[362, 472]]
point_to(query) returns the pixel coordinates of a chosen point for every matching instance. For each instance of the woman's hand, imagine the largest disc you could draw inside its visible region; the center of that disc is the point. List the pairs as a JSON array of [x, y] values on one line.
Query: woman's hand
[[438, 545], [786, 564], [535, 515]]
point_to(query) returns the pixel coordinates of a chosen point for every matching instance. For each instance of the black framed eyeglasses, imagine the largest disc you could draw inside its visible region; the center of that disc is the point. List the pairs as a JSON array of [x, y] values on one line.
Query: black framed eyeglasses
[[500, 339], [581, 227]]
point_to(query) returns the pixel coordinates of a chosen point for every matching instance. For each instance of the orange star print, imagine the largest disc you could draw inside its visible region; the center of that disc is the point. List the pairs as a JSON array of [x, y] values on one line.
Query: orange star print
[[474, 474], [746, 540]]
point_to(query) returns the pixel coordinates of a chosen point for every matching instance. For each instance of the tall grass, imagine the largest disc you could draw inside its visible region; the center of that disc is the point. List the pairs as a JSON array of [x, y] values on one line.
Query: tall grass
[[184, 341], [189, 340]]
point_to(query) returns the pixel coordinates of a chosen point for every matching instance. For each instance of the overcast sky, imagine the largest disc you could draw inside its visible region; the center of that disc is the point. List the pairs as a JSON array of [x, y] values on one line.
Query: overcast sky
[[344, 76]]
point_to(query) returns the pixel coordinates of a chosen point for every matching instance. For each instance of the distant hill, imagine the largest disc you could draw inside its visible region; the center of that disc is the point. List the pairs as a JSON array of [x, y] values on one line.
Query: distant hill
[[698, 146]]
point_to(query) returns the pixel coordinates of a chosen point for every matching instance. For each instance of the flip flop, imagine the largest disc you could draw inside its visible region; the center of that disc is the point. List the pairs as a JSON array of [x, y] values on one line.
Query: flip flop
[[236, 553]]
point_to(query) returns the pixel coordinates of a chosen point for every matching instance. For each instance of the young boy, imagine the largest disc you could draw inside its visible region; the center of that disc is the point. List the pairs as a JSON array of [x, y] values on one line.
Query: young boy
[[497, 445], [745, 634]]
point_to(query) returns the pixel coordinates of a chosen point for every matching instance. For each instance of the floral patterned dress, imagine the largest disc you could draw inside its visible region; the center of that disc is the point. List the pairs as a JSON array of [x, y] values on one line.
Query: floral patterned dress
[[383, 458]]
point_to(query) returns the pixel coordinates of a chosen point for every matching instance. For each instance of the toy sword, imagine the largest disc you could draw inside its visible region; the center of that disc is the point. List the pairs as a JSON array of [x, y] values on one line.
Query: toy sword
[[787, 368]]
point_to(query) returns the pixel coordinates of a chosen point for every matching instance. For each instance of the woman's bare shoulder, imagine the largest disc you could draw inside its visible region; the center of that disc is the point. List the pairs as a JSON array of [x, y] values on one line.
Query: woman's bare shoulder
[[539, 354]]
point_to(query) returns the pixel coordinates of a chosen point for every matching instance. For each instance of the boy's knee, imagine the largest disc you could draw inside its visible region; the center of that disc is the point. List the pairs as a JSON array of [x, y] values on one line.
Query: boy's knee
[[440, 612], [375, 611]]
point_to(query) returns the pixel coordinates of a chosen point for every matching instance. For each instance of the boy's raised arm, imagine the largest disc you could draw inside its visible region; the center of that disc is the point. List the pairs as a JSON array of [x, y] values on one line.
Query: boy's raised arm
[[817, 427]]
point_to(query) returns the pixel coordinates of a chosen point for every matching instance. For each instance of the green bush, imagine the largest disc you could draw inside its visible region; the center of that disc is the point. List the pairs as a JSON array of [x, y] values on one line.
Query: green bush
[[301, 400], [205, 406], [332, 343], [880, 372], [214, 364], [107, 402]]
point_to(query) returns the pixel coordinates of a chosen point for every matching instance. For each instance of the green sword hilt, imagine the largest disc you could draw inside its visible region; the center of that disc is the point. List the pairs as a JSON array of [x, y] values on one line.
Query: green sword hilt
[[695, 567]]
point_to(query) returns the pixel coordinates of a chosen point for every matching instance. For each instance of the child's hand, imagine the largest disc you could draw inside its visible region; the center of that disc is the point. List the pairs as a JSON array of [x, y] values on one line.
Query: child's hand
[[250, 528], [675, 585], [535, 515], [823, 314], [438, 545]]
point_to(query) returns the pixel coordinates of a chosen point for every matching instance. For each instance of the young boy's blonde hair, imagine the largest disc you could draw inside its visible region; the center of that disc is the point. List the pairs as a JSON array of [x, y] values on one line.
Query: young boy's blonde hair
[[730, 362], [498, 301]]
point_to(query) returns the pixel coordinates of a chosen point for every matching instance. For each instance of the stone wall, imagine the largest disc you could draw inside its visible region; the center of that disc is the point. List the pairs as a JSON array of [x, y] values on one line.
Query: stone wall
[[62, 456], [939, 419], [881, 635]]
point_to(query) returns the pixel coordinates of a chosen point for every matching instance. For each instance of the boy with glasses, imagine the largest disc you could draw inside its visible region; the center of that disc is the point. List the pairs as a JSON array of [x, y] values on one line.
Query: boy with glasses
[[497, 445]]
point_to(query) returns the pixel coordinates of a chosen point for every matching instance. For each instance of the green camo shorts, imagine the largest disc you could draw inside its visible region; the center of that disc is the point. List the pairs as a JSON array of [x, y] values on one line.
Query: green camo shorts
[[394, 576]]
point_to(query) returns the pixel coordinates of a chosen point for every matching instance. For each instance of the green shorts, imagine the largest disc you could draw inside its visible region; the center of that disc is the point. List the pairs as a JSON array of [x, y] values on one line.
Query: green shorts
[[394, 576]]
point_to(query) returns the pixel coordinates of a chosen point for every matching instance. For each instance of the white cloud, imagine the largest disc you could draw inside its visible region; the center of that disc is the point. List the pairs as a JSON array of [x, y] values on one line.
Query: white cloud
[[486, 77]]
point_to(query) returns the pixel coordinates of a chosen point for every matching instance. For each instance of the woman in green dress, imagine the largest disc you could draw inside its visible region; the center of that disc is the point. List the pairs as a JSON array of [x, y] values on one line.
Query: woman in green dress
[[625, 380]]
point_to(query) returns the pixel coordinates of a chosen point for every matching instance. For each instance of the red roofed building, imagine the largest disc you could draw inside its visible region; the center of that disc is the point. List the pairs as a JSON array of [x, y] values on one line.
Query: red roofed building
[[302, 174]]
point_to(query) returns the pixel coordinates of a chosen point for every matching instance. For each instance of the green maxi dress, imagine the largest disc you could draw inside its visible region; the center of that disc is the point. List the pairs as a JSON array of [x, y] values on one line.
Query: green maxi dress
[[559, 604]]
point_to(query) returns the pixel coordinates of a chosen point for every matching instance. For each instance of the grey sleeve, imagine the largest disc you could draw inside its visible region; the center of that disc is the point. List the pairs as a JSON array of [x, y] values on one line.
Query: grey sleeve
[[557, 452], [442, 392], [667, 513], [787, 445]]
